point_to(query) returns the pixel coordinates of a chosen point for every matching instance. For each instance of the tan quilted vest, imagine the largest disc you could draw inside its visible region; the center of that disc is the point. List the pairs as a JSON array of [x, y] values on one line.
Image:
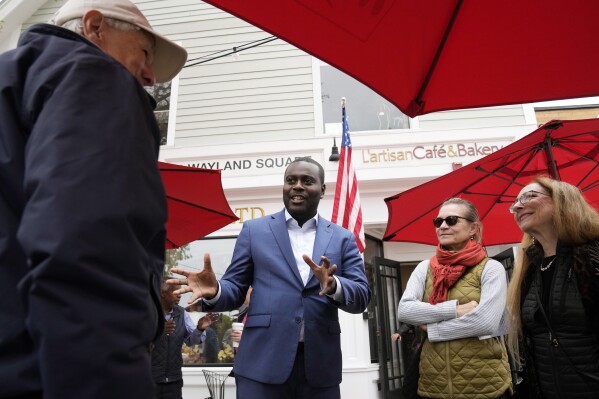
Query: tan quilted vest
[[466, 368]]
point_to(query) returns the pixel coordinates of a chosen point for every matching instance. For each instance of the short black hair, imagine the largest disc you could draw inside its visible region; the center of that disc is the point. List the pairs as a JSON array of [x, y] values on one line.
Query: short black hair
[[312, 161]]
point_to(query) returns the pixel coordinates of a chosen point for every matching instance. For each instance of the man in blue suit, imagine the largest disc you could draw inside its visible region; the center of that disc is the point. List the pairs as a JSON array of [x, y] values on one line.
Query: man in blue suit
[[291, 339]]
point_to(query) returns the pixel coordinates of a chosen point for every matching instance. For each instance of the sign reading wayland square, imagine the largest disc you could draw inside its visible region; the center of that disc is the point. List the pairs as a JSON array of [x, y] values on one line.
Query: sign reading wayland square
[[251, 164]]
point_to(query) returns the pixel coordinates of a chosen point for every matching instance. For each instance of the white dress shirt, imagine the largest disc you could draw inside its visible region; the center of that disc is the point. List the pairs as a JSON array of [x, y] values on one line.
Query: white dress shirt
[[302, 242]]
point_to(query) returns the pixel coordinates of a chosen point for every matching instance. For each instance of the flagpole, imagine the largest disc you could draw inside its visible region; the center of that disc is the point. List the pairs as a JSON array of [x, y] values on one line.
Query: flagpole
[[347, 208]]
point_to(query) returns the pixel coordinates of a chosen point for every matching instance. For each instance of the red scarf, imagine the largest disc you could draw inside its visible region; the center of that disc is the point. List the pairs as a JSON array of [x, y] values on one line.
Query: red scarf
[[447, 268]]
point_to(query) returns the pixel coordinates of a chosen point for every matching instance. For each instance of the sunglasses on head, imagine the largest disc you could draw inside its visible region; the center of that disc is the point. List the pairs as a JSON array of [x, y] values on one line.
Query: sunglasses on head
[[450, 220]]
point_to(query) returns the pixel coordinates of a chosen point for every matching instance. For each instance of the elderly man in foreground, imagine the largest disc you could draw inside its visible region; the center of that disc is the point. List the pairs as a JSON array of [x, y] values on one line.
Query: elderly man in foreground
[[82, 206]]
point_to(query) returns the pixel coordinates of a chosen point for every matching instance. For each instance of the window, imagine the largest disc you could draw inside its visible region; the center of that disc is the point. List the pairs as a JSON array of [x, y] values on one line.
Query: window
[[366, 110], [165, 95], [217, 348], [573, 108], [162, 94], [546, 114]]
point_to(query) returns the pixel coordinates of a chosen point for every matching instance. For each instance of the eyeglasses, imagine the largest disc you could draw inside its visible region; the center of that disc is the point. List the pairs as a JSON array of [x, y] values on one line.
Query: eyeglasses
[[450, 220], [525, 199]]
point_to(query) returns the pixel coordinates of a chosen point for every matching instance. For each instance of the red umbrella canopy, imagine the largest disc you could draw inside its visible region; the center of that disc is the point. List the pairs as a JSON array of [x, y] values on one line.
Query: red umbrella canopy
[[196, 203], [432, 55], [568, 150]]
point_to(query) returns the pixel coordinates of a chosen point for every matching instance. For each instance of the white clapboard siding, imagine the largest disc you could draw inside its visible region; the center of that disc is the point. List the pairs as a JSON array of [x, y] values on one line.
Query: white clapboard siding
[[263, 94], [507, 115], [43, 14], [266, 93]]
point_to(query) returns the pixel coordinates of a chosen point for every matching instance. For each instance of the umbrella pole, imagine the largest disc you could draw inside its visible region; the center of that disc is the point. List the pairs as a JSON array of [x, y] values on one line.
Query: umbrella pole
[[416, 105], [551, 164]]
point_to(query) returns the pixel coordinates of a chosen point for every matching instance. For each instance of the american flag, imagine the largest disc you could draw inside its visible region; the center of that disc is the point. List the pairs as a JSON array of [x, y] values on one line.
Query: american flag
[[347, 210]]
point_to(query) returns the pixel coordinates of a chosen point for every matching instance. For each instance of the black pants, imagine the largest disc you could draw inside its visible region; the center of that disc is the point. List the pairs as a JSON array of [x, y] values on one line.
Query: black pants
[[169, 390]]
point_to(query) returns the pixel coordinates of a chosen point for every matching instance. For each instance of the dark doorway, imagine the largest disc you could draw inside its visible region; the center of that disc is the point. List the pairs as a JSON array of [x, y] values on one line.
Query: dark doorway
[[390, 353]]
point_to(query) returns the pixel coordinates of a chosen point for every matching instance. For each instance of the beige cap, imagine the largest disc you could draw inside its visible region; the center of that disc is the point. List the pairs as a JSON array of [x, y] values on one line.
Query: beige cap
[[169, 57]]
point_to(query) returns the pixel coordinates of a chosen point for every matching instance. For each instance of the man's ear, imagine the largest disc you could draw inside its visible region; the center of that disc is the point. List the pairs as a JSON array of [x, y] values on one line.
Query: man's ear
[[93, 26], [324, 187]]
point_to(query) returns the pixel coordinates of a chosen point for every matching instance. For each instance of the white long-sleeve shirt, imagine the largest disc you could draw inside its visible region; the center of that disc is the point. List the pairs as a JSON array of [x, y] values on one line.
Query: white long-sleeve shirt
[[485, 321]]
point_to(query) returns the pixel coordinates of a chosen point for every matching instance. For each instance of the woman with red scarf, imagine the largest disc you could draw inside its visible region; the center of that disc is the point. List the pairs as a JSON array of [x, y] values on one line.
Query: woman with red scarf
[[458, 298]]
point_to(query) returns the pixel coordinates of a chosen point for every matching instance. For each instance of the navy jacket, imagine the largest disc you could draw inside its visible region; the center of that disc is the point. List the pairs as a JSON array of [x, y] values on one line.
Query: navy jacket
[[82, 215]]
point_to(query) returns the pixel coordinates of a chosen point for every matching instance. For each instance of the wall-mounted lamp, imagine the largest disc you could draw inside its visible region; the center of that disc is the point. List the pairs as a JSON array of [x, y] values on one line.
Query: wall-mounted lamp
[[334, 152]]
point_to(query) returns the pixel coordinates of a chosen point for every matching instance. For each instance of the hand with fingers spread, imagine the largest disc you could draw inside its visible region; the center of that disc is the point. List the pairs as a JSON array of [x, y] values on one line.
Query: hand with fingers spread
[[324, 273], [201, 284]]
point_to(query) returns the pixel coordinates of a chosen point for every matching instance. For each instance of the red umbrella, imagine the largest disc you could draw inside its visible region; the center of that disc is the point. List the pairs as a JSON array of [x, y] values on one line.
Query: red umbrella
[[196, 203], [567, 150], [432, 55]]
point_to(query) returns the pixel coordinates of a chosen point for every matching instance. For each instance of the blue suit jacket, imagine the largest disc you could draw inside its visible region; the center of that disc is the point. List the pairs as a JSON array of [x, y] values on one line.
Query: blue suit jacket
[[279, 302]]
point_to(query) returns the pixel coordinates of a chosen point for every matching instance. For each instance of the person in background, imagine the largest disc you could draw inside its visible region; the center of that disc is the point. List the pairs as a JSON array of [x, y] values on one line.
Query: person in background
[[179, 328], [292, 337], [231, 336], [406, 335], [241, 317], [410, 342], [82, 205], [553, 295], [458, 298], [402, 330], [211, 346]]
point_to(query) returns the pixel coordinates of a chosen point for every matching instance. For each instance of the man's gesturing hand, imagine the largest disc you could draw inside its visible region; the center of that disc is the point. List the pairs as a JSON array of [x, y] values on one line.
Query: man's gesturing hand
[[324, 274], [201, 284]]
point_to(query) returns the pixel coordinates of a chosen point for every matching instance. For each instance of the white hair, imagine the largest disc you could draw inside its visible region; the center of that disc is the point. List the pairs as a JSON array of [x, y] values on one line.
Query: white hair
[[76, 25]]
